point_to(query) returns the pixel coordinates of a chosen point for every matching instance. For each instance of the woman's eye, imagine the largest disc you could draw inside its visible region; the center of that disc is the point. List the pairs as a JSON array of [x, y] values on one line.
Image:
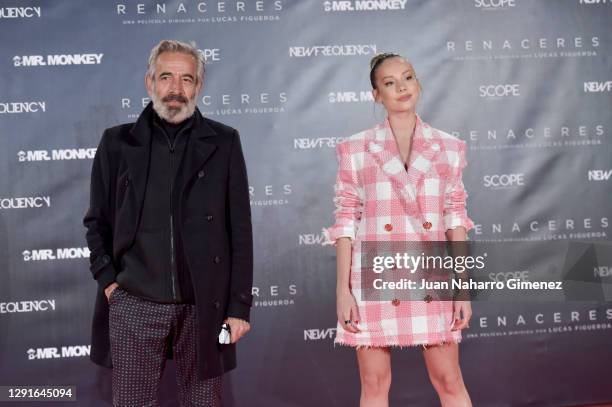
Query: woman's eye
[[409, 77], [388, 83]]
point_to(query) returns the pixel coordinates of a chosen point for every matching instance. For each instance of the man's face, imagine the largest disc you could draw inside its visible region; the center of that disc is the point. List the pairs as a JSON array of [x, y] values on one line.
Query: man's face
[[173, 90]]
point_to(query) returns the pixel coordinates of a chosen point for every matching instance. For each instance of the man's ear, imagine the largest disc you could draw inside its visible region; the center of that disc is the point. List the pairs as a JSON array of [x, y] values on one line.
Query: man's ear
[[148, 84], [199, 86]]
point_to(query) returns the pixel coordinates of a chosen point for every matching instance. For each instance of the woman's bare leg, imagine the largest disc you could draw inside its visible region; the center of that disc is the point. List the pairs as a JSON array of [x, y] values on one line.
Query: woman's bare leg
[[442, 363], [375, 375]]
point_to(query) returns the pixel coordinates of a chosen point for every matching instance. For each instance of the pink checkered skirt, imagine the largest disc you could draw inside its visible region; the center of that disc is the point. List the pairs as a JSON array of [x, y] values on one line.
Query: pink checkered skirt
[[407, 323]]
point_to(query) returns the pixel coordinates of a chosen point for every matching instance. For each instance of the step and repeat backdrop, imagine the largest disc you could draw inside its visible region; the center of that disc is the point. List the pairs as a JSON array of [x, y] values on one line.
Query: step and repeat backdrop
[[526, 83]]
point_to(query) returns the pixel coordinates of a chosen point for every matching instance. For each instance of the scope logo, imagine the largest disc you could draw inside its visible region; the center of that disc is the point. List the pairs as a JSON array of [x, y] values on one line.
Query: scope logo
[[499, 181], [504, 276], [499, 91], [494, 4], [211, 54]]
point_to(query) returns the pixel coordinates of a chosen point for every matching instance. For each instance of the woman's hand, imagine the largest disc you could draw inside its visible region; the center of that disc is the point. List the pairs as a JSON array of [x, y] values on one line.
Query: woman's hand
[[348, 313], [462, 312]]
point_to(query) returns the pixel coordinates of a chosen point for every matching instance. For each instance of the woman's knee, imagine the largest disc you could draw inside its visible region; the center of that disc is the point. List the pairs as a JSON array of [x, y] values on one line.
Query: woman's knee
[[376, 382], [448, 382]]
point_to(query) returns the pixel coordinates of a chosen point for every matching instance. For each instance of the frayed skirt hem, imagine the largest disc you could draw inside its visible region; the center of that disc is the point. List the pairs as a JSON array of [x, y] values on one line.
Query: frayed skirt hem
[[424, 345]]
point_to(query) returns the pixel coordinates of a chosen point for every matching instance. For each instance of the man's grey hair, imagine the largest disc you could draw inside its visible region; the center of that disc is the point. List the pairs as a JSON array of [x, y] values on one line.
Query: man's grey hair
[[177, 46]]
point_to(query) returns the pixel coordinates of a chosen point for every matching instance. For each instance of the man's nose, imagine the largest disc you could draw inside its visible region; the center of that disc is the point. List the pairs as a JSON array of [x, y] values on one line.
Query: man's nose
[[176, 86]]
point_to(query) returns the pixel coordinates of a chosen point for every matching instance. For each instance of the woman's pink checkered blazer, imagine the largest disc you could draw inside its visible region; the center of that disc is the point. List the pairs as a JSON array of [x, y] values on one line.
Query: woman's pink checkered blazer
[[377, 199]]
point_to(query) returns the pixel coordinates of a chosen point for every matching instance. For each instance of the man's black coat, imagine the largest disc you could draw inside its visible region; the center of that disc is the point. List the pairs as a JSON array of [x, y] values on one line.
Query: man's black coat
[[214, 223]]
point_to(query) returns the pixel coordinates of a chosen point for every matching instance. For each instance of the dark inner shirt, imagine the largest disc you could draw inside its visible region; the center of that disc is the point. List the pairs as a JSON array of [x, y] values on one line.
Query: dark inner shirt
[[150, 259], [171, 129]]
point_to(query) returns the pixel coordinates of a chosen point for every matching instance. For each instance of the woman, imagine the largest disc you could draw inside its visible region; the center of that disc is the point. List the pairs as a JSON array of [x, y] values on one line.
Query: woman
[[400, 181]]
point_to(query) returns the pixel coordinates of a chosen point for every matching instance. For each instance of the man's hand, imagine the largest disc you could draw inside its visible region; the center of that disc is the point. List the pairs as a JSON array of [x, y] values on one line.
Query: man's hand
[[238, 328], [109, 290]]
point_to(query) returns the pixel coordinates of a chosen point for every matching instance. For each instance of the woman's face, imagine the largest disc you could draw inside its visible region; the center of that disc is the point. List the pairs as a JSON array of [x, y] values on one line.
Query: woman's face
[[396, 86]]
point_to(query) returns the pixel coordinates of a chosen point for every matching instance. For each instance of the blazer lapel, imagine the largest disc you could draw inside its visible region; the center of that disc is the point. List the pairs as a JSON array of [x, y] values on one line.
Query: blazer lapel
[[138, 161], [201, 147], [138, 158], [138, 152], [384, 151], [424, 150]]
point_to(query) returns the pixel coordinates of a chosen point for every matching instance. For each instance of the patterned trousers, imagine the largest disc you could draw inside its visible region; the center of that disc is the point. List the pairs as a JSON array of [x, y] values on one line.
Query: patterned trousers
[[140, 333]]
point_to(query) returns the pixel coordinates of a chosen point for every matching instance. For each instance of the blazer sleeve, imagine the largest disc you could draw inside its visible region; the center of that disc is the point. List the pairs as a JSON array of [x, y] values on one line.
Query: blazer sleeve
[[98, 219], [241, 235], [455, 212], [348, 198]]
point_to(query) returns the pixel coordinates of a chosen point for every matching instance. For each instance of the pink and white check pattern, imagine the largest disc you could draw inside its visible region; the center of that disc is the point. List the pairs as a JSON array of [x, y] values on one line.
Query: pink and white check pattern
[[377, 199]]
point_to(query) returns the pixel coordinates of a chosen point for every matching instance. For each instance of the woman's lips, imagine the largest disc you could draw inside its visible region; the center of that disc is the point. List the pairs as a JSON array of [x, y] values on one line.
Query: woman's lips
[[405, 98]]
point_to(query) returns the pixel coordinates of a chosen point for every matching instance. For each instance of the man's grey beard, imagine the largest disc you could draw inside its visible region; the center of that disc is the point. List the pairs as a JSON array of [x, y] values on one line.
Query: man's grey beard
[[173, 115]]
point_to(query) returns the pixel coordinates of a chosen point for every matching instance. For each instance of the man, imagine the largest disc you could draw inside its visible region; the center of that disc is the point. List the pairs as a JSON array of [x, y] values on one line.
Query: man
[[169, 230]]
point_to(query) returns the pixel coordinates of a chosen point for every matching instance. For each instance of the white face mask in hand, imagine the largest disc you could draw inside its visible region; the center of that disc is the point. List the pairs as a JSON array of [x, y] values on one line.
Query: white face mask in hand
[[225, 335]]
